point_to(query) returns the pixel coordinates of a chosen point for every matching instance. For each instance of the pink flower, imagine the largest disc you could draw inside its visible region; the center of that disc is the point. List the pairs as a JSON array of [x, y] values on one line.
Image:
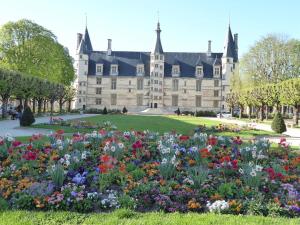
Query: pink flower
[[16, 143]]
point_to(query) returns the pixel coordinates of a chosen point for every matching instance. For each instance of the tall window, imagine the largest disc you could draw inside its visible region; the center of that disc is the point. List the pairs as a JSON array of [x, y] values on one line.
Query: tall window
[[140, 85], [174, 100], [198, 85], [139, 99], [99, 69], [114, 70], [98, 101], [199, 71], [113, 83], [216, 93], [175, 70], [113, 99], [217, 71], [98, 91], [175, 85], [216, 83], [198, 101], [140, 70], [98, 80]]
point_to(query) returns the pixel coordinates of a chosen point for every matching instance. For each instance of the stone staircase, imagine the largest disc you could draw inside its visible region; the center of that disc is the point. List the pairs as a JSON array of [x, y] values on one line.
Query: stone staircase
[[155, 111]]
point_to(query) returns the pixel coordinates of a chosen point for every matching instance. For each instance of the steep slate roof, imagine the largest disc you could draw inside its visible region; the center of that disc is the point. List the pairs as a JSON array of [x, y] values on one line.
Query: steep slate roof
[[158, 47], [128, 61], [85, 44], [229, 48]]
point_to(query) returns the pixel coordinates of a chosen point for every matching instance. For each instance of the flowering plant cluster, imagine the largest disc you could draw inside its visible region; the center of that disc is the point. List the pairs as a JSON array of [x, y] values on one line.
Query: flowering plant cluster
[[108, 169]]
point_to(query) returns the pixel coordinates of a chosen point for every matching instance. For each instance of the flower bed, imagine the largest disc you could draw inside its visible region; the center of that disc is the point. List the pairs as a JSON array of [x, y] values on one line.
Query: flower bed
[[145, 171]]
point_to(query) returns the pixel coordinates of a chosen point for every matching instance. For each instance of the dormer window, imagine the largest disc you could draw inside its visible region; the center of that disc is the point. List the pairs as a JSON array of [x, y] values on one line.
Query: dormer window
[[199, 71], [175, 70], [99, 69], [217, 71], [114, 69]]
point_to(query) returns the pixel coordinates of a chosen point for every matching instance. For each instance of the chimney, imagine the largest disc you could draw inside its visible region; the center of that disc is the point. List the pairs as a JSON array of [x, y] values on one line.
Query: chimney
[[236, 46], [209, 48], [108, 46], [79, 38]]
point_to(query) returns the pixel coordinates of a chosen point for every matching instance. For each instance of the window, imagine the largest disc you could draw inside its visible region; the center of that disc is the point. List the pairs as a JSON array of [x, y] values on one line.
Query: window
[[98, 101], [216, 93], [99, 69], [79, 92], [185, 83], [184, 91], [216, 83], [223, 88], [198, 85], [140, 84], [155, 81], [198, 101], [129, 82], [139, 99], [113, 99], [233, 65], [223, 77], [174, 100], [80, 84], [98, 91], [228, 60], [114, 70], [80, 56], [156, 74], [175, 70], [156, 57], [79, 100], [129, 90], [216, 103], [199, 71], [156, 65], [113, 83], [161, 67], [175, 85], [85, 62], [217, 71], [98, 80], [161, 57], [140, 70]]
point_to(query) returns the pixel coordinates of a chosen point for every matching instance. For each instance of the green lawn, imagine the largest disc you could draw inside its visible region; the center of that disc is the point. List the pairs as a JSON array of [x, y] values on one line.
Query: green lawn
[[122, 216], [180, 124]]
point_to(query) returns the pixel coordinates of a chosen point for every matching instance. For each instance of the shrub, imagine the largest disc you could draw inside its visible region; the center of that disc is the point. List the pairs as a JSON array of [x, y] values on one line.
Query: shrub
[[104, 111], [124, 111], [58, 175], [27, 118], [186, 113], [278, 124], [93, 111], [206, 113], [3, 204], [177, 111]]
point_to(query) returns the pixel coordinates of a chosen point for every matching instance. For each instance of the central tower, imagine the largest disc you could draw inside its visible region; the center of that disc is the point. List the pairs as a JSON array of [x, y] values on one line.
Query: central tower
[[157, 73]]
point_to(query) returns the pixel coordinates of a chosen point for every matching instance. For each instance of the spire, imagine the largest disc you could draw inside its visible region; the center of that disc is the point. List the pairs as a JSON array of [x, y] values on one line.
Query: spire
[[87, 41], [158, 48], [229, 48]]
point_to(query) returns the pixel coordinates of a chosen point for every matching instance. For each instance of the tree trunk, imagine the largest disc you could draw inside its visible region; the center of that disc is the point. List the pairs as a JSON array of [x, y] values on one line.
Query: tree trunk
[[249, 112], [267, 112], [295, 115], [40, 105], [60, 105], [45, 103], [241, 112], [69, 106], [51, 107], [4, 107], [33, 105], [261, 113]]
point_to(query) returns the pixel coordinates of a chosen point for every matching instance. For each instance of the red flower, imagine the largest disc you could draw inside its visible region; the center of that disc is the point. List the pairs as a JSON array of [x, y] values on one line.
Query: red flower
[[212, 141], [137, 144], [60, 132], [286, 168], [204, 153], [105, 158], [103, 168], [30, 155], [225, 159], [234, 164], [1, 142], [29, 147], [16, 143], [184, 138]]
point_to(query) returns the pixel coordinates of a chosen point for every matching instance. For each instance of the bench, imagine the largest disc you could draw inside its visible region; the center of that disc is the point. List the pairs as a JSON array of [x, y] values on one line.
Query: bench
[[290, 124]]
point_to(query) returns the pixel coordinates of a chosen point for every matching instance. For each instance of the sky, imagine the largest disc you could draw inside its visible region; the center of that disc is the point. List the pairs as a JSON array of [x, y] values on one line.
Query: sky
[[186, 25]]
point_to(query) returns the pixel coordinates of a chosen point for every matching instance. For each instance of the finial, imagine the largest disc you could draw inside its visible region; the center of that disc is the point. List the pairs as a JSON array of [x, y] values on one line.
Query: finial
[[158, 16], [229, 19], [85, 19]]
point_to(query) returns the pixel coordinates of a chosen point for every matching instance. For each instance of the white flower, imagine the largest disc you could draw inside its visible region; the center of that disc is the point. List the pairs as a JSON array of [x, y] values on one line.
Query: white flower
[[251, 164], [253, 154], [75, 159], [247, 149], [217, 206], [258, 168], [177, 152], [62, 160], [67, 162], [254, 148], [253, 173], [121, 145], [67, 156], [173, 159], [209, 147], [241, 171], [83, 155], [113, 148], [164, 161], [59, 142]]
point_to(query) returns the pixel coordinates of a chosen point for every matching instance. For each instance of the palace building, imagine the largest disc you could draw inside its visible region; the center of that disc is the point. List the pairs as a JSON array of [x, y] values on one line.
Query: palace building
[[165, 80]]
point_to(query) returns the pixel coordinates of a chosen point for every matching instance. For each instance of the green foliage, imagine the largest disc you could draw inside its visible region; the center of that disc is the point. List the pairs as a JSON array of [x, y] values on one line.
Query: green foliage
[[227, 190], [127, 202], [27, 117], [198, 175], [57, 174], [124, 110], [138, 174], [23, 201], [278, 124], [3, 204], [104, 111]]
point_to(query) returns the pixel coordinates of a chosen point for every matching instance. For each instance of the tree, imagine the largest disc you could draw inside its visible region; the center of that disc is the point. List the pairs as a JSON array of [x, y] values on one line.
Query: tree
[[32, 49], [104, 111], [27, 117], [278, 124], [290, 95], [124, 111], [269, 60]]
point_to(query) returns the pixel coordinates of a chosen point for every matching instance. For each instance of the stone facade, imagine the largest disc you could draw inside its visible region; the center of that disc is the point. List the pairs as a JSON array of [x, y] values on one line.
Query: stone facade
[[158, 79]]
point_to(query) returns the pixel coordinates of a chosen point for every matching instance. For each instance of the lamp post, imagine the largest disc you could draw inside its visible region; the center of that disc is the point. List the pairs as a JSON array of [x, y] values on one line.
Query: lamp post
[[221, 78]]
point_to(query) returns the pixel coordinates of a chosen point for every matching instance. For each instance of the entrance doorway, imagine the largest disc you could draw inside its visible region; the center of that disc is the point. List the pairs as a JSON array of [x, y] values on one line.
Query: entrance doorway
[[155, 105]]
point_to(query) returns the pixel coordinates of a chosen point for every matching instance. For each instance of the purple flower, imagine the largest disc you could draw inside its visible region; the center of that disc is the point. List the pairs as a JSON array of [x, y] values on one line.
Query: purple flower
[[74, 193]]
